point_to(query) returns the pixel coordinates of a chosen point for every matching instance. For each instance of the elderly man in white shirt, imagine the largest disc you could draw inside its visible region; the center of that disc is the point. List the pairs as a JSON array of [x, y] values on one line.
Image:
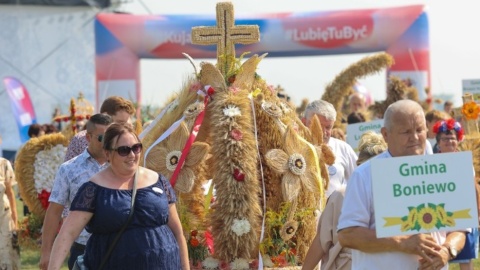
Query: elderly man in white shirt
[[405, 133], [345, 157]]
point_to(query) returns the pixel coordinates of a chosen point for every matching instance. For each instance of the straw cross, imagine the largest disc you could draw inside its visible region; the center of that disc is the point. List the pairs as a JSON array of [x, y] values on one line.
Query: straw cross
[[225, 35]]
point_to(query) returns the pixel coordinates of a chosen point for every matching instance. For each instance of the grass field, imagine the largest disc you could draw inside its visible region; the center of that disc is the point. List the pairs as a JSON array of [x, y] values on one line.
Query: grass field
[[30, 256]]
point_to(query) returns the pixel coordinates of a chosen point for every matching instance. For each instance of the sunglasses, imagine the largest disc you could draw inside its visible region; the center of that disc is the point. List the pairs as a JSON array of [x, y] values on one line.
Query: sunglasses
[[125, 150]]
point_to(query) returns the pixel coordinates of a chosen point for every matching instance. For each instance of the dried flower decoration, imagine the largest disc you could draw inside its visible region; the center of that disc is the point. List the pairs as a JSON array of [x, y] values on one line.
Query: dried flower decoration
[[296, 163], [210, 263], [238, 175], [240, 226], [165, 157], [240, 264], [470, 110], [231, 111], [197, 248], [272, 109], [285, 108], [231, 79], [288, 230], [267, 261], [172, 160], [193, 110], [236, 134], [234, 89]]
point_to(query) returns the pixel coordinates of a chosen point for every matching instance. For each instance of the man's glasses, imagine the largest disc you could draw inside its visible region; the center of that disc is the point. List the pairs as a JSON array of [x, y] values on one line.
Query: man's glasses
[[125, 150]]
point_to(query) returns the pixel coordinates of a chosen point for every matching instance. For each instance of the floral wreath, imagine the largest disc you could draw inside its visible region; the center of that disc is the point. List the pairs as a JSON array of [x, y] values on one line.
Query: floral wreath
[[446, 125], [35, 168]]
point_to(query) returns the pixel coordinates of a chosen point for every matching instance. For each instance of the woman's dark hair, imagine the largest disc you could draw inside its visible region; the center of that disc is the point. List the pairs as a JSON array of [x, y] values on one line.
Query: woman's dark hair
[[98, 119], [355, 117], [116, 130], [50, 128], [34, 130]]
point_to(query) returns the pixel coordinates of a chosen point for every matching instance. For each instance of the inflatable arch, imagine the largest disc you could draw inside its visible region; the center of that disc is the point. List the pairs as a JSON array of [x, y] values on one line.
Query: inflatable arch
[[122, 40]]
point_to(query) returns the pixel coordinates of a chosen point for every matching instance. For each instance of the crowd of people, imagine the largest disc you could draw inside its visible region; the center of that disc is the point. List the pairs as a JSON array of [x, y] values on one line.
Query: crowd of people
[[108, 212], [346, 237]]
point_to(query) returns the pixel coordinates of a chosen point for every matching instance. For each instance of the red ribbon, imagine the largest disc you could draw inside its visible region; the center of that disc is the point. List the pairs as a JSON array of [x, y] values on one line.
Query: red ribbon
[[193, 135]]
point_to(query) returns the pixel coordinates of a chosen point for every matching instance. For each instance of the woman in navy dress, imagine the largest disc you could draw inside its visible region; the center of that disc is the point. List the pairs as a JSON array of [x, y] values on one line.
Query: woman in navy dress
[[153, 238]]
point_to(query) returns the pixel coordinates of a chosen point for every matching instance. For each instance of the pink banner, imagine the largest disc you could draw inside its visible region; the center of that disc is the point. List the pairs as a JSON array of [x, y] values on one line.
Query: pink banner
[[21, 106], [122, 39]]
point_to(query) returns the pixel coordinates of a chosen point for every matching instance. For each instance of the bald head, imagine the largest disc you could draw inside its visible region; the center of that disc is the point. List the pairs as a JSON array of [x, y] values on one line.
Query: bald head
[[404, 128], [356, 102], [404, 107]]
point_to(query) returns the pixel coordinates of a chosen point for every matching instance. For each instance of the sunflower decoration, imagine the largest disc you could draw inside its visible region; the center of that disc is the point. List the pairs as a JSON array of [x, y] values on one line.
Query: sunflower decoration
[[410, 221], [275, 111], [442, 215], [297, 164], [165, 157], [192, 111], [288, 230], [427, 217], [470, 110]]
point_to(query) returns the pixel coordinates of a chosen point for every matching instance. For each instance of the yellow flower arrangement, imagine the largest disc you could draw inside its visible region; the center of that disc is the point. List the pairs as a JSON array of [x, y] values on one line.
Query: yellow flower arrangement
[[470, 110], [30, 231], [281, 249]]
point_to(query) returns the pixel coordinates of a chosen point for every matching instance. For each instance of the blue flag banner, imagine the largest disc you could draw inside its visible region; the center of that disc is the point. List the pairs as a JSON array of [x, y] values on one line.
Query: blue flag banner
[[21, 106]]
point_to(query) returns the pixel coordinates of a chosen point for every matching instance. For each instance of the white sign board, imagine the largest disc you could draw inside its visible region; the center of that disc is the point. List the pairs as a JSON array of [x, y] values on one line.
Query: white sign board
[[355, 131], [421, 194], [472, 87]]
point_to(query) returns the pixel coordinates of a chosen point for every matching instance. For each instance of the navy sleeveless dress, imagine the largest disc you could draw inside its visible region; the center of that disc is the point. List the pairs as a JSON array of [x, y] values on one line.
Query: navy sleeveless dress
[[147, 242]]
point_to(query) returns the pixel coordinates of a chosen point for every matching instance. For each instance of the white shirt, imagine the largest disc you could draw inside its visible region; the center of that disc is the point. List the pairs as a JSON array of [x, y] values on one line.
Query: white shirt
[[358, 211], [345, 163], [428, 148]]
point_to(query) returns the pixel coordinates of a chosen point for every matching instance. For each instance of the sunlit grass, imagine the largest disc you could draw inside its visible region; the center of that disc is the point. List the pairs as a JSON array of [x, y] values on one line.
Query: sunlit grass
[[30, 250]]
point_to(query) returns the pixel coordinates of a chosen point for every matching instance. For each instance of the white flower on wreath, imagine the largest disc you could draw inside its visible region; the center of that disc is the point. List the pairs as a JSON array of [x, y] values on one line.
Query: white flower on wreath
[[231, 111], [239, 264], [210, 263], [240, 226], [46, 165], [267, 261]]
